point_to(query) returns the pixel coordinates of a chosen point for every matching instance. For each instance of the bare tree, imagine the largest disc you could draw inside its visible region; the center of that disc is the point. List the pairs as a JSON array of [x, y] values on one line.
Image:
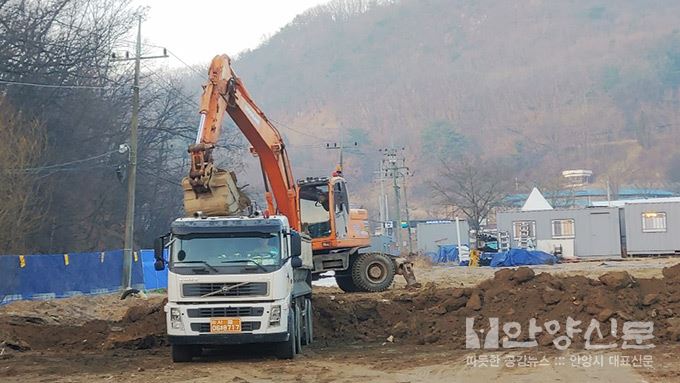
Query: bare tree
[[472, 186], [82, 102], [22, 142]]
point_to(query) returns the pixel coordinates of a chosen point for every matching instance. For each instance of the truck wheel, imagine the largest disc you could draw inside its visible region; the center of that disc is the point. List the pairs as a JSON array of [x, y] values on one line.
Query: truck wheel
[[298, 329], [307, 323], [345, 283], [182, 353], [310, 322], [286, 350], [372, 272]]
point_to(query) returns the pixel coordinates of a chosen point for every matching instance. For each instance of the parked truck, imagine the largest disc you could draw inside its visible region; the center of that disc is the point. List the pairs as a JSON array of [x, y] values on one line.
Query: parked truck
[[236, 275], [234, 280]]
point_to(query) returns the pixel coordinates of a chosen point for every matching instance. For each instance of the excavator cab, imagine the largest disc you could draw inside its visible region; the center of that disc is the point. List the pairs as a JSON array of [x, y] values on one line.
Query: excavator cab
[[326, 216]]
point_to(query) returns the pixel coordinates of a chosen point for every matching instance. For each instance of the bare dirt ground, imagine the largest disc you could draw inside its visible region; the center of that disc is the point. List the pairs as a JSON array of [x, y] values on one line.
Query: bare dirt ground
[[90, 339]]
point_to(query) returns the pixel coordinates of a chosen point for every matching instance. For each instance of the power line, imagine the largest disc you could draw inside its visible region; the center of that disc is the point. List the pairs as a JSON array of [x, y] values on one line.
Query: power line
[[196, 105], [294, 130], [306, 146], [170, 87], [78, 169], [151, 174], [168, 131], [193, 69], [58, 166], [201, 75], [7, 82]]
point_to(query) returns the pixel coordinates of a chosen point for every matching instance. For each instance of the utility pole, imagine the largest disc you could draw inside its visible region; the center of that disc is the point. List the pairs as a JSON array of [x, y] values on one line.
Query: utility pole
[[387, 167], [132, 171], [393, 169], [340, 147], [408, 216], [398, 205], [383, 209], [382, 201], [609, 193]]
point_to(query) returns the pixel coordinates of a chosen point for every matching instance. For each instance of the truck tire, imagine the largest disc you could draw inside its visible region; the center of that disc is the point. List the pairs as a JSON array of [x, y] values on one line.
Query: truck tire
[[182, 353], [298, 328], [346, 284], [286, 350], [310, 315], [307, 331], [372, 272]]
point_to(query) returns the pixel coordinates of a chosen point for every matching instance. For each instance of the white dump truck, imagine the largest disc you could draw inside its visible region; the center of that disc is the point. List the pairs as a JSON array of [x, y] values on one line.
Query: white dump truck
[[236, 280]]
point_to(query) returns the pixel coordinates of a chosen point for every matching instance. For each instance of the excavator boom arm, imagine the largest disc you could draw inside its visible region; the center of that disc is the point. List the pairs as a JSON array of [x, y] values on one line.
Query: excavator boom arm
[[225, 92]]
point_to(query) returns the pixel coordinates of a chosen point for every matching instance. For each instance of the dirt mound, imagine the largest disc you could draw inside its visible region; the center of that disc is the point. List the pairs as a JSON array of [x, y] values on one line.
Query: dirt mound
[[142, 326], [76, 310], [438, 315]]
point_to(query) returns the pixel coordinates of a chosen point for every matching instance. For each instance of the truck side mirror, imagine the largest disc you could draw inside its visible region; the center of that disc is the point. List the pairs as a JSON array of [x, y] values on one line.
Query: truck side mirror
[[296, 262], [295, 244], [158, 246]]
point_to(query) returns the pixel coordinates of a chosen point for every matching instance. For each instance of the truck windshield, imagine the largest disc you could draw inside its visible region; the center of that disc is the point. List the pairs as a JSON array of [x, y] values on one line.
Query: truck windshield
[[257, 251]]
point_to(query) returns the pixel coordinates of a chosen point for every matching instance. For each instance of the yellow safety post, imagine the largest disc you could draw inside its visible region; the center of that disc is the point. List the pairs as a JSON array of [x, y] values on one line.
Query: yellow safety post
[[22, 261], [474, 258], [66, 259]]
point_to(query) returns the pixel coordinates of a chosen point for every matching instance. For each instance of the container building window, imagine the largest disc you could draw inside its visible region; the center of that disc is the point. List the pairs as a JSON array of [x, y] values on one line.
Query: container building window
[[524, 229], [653, 222], [563, 228]]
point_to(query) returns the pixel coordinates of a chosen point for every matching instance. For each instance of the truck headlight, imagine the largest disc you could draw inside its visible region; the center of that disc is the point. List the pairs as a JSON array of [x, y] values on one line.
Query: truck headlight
[[275, 315], [175, 314]]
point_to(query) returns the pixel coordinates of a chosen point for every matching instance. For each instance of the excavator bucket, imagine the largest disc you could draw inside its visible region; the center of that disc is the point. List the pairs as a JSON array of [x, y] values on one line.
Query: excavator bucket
[[405, 269], [223, 199]]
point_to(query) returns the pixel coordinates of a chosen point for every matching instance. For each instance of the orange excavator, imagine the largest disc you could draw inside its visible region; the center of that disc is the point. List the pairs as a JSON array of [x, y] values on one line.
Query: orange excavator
[[318, 207]]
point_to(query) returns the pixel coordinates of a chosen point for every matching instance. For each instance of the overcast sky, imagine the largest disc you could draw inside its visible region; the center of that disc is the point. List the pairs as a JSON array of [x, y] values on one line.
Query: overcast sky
[[197, 30]]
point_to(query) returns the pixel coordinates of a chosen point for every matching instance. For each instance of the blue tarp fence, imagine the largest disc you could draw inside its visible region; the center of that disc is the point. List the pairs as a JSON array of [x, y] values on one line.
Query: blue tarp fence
[[521, 257], [48, 276], [153, 279]]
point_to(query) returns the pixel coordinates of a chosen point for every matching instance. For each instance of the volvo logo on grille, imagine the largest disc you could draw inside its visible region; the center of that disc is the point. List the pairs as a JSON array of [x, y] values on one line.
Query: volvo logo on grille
[[224, 289]]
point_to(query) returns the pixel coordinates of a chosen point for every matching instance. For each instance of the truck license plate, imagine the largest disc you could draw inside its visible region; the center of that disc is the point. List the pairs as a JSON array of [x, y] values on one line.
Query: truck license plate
[[225, 325]]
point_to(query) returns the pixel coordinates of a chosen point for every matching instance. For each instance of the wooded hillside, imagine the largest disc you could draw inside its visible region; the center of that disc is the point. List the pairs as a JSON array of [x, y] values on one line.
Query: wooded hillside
[[548, 85]]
